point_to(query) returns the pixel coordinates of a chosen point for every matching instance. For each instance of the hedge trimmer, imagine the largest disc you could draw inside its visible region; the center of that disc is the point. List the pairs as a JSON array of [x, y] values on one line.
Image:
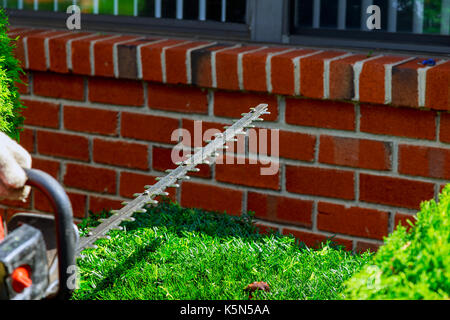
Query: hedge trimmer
[[32, 250]]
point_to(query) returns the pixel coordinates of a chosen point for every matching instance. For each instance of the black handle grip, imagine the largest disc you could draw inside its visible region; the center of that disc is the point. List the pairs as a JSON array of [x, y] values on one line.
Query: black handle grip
[[63, 222]]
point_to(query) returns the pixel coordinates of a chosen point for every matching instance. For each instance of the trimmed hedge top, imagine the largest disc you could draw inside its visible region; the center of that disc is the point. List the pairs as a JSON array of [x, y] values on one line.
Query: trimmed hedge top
[[10, 106], [414, 263]]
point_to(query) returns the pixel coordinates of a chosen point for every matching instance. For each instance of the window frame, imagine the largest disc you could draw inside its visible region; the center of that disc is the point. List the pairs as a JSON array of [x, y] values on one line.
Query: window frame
[[267, 21]]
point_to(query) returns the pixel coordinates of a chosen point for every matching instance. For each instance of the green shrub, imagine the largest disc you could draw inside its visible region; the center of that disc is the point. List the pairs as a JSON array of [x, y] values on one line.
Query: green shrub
[[10, 106], [413, 264], [175, 253]]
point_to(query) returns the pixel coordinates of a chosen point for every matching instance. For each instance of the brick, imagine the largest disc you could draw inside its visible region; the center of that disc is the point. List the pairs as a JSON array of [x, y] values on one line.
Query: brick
[[444, 134], [131, 183], [320, 182], [342, 77], [27, 138], [254, 69], [201, 65], [217, 199], [104, 57], [58, 51], [246, 174], [36, 49], [283, 71], [437, 94], [405, 83], [152, 69], [119, 92], [120, 153], [280, 209], [233, 104], [395, 192], [363, 246], [322, 114], [178, 99], [81, 54], [98, 204], [63, 145], [90, 178], [19, 50], [424, 161], [315, 240], [87, 120], [291, 145], [265, 229], [404, 219], [148, 127], [357, 153], [227, 67], [42, 114], [49, 166], [162, 160], [354, 221], [22, 86], [403, 122], [17, 204], [127, 58], [372, 79], [176, 62], [77, 200], [58, 86], [312, 73]]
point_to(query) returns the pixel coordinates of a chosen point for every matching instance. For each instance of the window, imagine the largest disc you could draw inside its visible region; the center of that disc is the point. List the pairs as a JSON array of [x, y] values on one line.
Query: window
[[419, 25], [215, 10]]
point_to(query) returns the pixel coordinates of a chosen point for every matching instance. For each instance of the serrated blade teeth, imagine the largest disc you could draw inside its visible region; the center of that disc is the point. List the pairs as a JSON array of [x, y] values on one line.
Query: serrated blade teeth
[[158, 178], [114, 211], [105, 237], [168, 171], [175, 185], [117, 228], [152, 201], [185, 178], [135, 195], [124, 203], [163, 193], [194, 170], [129, 219], [141, 211]]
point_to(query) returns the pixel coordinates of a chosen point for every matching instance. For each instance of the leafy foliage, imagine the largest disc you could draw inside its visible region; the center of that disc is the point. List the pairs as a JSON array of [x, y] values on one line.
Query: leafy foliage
[[175, 253], [10, 105], [413, 264]]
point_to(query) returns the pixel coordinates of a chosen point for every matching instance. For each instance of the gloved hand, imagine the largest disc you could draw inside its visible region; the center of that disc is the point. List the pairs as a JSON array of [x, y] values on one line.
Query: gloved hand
[[12, 177]]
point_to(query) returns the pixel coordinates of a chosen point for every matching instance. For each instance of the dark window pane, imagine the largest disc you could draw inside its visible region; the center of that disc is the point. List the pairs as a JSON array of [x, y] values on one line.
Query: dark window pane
[[328, 13], [190, 9], [236, 10], [353, 18], [169, 8]]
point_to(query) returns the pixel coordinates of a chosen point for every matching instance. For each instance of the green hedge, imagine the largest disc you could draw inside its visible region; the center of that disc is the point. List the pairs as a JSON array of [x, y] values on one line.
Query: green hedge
[[10, 106], [412, 264]]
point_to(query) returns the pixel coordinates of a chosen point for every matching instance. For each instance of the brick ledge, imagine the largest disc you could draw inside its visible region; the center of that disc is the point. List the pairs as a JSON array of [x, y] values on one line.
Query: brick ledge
[[292, 71]]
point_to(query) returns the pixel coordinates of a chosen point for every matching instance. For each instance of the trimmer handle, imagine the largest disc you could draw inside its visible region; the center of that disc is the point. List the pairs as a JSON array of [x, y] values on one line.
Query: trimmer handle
[[62, 208]]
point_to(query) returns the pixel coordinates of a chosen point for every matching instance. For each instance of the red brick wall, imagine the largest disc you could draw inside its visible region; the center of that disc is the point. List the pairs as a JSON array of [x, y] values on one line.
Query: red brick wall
[[363, 139]]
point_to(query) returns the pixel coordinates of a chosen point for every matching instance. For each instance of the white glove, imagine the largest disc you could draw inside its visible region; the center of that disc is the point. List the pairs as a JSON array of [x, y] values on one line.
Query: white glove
[[12, 177]]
